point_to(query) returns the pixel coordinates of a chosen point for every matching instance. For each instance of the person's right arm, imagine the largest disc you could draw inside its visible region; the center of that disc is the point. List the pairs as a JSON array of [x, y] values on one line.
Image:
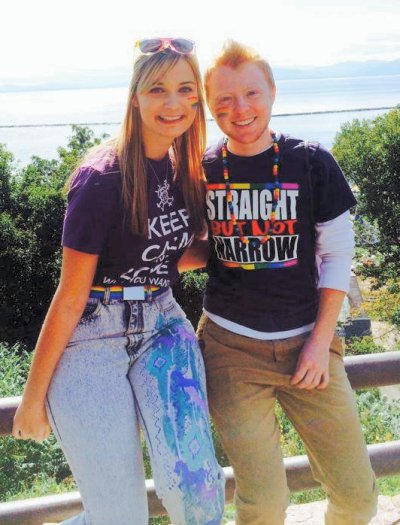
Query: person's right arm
[[66, 308]]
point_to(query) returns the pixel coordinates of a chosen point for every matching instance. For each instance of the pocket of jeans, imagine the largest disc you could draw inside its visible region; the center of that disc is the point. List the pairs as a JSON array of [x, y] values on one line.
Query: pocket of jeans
[[222, 335], [92, 310]]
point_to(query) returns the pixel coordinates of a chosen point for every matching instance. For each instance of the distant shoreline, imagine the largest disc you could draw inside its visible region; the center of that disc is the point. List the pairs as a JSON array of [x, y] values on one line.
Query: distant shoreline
[[119, 78], [68, 124]]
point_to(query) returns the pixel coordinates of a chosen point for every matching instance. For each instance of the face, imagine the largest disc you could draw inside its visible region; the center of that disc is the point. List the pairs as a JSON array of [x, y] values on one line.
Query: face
[[241, 102], [167, 108]]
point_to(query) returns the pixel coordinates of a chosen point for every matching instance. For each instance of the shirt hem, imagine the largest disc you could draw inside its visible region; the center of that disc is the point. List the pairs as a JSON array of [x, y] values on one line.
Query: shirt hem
[[255, 334]]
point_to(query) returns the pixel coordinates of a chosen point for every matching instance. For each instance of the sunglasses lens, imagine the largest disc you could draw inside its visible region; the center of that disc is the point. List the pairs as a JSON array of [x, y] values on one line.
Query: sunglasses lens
[[151, 45], [182, 45]]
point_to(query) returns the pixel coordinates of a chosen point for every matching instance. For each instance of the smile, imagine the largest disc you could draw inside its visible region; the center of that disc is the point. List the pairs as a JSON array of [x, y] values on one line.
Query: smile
[[171, 119], [246, 122]]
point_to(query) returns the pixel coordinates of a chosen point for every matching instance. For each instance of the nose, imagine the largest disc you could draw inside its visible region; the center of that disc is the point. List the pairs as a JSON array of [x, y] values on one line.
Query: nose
[[241, 104], [171, 101]]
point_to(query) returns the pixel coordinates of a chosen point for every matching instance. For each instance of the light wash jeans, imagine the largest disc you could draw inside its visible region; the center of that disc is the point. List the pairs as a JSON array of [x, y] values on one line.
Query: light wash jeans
[[133, 364]]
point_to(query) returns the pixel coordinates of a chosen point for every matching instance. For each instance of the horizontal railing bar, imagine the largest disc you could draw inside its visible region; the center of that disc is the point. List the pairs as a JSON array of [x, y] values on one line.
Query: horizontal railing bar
[[385, 459], [373, 370], [364, 371]]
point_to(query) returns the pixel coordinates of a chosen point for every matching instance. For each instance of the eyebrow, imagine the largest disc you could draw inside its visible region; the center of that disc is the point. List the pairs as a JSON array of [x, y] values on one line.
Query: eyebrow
[[161, 83]]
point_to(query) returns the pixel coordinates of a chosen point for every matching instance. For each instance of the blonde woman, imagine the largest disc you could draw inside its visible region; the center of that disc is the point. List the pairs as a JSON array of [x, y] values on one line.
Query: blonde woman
[[116, 353]]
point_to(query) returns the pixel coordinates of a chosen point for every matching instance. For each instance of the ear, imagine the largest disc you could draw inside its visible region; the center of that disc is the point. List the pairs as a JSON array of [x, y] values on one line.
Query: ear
[[135, 102], [273, 93]]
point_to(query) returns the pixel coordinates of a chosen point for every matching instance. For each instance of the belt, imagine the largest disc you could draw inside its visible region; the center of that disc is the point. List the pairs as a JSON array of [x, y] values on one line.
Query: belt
[[126, 293]]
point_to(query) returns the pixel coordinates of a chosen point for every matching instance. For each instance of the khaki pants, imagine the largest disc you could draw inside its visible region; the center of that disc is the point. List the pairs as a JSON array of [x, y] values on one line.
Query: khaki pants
[[245, 377]]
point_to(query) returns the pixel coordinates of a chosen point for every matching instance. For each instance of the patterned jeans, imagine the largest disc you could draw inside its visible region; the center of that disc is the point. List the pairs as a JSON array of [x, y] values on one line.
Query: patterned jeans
[[132, 365]]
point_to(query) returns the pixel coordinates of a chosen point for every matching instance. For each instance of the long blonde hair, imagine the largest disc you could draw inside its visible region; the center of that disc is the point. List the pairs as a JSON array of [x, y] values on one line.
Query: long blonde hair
[[186, 151]]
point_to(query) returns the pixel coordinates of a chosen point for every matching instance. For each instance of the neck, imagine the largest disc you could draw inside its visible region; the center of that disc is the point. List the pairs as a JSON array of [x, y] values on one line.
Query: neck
[[155, 147], [156, 153], [254, 148]]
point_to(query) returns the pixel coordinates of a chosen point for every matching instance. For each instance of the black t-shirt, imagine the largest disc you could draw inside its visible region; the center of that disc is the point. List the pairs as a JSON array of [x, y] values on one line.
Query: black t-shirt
[[95, 223], [270, 287]]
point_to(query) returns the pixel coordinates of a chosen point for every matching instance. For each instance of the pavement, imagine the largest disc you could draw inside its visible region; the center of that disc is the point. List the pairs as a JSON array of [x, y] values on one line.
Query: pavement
[[313, 513]]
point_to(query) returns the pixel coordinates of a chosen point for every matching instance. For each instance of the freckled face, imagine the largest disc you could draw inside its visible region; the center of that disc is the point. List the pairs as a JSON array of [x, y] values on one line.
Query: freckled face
[[168, 107], [241, 102]]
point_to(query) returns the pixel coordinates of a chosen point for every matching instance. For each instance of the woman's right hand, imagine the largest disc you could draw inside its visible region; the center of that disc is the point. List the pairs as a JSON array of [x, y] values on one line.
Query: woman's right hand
[[77, 272], [31, 422]]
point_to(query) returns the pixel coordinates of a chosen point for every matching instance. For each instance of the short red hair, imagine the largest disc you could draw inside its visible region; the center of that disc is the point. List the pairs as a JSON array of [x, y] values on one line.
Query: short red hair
[[234, 54]]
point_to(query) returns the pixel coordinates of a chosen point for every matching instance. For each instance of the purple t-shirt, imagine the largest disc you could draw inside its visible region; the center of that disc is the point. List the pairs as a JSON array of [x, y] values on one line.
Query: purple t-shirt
[[95, 223]]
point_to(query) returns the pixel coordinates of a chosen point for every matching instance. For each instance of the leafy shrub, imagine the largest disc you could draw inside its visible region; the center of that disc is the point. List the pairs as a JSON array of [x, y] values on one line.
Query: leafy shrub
[[384, 303], [369, 153], [362, 345], [25, 464], [189, 294], [32, 206]]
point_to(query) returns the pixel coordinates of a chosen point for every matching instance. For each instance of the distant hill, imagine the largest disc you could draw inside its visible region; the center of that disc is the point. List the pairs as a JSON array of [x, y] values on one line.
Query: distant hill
[[120, 77], [342, 69]]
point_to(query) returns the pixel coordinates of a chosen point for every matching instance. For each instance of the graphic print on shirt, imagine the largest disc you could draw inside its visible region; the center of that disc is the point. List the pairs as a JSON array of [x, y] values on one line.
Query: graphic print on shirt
[[252, 207], [168, 233], [163, 195]]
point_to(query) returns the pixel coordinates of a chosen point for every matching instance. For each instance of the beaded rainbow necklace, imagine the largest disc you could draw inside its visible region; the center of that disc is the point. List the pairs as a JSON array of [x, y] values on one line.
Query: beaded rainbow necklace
[[276, 192]]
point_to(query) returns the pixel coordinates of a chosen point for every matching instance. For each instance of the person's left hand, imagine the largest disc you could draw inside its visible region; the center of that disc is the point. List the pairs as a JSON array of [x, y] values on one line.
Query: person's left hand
[[312, 370]]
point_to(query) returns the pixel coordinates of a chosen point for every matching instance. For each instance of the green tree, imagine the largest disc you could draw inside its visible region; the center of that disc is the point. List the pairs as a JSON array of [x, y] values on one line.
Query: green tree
[[32, 207], [369, 153]]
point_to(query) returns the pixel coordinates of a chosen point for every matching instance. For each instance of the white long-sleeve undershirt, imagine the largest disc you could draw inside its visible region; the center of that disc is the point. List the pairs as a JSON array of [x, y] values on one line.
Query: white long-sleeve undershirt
[[334, 251]]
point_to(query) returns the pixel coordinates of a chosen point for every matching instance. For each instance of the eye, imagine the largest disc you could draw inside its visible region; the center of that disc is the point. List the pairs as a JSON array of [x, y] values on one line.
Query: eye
[[186, 89], [252, 93], [223, 101], [155, 90]]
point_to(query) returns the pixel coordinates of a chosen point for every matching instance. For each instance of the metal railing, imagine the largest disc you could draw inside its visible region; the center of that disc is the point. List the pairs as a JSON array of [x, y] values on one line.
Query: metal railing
[[364, 371]]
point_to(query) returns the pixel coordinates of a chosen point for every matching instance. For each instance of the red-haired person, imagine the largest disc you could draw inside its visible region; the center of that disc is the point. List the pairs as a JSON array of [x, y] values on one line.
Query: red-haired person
[[274, 205]]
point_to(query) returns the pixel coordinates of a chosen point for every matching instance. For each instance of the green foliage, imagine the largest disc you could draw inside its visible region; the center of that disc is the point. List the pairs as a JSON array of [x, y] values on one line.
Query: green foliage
[[384, 303], [15, 362], [389, 486], [189, 294], [26, 465], [363, 345], [32, 207], [380, 419], [369, 153], [31, 469]]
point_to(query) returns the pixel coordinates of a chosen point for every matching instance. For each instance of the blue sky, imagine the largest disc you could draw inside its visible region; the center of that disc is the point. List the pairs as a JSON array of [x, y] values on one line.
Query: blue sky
[[43, 39]]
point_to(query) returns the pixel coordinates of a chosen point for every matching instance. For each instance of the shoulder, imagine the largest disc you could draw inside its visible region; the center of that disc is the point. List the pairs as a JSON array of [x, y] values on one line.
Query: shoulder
[[213, 153], [99, 169], [308, 152], [297, 147]]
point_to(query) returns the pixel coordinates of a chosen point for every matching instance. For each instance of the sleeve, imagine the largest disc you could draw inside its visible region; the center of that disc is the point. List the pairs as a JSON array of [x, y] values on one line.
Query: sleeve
[[332, 193], [334, 250], [91, 205]]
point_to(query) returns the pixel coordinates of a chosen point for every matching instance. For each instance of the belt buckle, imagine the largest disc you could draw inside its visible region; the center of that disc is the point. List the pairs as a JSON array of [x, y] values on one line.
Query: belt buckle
[[133, 293]]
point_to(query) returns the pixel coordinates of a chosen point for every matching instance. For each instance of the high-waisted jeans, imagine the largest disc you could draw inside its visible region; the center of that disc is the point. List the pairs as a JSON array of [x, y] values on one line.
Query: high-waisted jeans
[[132, 365]]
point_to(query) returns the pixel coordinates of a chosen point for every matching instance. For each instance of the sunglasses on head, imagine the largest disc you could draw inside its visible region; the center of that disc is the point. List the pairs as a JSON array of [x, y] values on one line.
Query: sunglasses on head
[[149, 46]]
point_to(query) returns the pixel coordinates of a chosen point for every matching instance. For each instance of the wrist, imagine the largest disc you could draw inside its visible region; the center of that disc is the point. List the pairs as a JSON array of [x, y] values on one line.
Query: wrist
[[33, 401], [322, 337]]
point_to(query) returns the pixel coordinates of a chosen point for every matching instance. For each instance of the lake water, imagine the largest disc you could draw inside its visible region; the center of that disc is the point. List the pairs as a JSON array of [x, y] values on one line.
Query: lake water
[[52, 112]]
